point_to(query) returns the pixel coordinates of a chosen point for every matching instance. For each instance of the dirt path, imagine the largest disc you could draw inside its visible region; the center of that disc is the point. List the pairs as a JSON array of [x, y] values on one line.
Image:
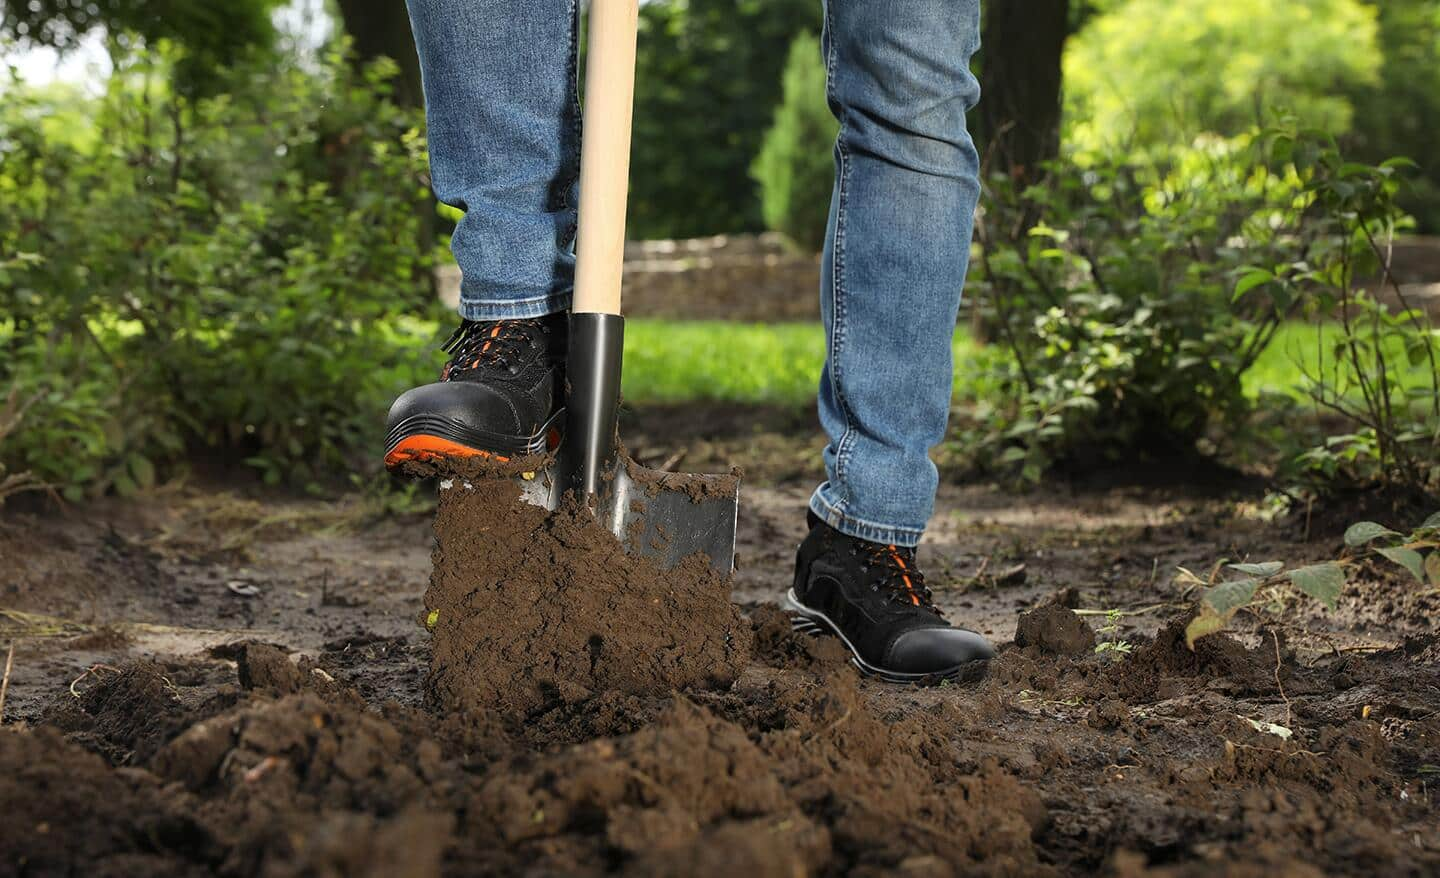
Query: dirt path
[[1311, 746]]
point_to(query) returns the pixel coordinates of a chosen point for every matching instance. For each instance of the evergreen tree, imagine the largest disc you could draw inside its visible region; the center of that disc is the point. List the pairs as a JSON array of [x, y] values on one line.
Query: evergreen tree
[[795, 168]]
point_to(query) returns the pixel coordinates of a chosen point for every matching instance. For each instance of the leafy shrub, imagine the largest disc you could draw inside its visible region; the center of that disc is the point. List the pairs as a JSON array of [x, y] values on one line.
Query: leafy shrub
[[794, 168], [1381, 374], [223, 271], [1110, 286], [1132, 298]]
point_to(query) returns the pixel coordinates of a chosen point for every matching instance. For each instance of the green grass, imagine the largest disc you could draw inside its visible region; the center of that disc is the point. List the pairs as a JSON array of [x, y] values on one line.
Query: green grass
[[1299, 349], [673, 361]]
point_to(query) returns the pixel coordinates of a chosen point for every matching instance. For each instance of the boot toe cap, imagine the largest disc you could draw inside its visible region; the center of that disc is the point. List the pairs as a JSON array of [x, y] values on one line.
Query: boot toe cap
[[937, 650], [466, 405]]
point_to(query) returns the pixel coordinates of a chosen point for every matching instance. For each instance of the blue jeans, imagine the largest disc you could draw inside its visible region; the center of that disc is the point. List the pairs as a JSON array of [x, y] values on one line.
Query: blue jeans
[[500, 96]]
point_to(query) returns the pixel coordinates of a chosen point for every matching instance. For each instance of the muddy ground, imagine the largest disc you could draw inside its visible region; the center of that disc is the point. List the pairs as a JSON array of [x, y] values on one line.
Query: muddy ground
[[216, 679]]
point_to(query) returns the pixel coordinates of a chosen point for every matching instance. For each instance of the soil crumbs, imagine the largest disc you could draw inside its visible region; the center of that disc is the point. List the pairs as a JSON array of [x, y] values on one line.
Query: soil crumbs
[[589, 714]]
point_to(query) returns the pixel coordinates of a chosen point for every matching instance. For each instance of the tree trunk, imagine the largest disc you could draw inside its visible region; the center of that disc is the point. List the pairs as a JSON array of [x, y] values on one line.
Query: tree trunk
[[1020, 84], [382, 27]]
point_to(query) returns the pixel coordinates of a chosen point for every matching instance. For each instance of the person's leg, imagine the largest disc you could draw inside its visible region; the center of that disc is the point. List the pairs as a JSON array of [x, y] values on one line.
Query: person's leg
[[906, 183], [504, 137], [896, 252]]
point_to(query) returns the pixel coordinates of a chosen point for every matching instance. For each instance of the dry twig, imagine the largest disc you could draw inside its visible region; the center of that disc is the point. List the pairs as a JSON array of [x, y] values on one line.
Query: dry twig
[[5, 680]]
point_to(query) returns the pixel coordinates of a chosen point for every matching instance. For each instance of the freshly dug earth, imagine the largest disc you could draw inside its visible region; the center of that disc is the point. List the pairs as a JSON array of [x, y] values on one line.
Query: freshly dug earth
[[586, 714], [798, 768], [529, 607]]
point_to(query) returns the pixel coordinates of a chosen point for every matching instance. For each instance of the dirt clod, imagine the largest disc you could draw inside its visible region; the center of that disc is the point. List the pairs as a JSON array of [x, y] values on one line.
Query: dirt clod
[[1054, 629], [262, 666]]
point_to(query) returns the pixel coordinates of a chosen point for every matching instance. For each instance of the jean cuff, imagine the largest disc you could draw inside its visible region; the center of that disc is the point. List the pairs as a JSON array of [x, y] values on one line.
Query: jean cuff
[[514, 309], [860, 528]]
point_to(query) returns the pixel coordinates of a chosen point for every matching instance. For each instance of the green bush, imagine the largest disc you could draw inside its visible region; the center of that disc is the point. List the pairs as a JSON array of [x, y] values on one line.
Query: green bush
[[794, 168], [1383, 375], [224, 271], [1133, 307]]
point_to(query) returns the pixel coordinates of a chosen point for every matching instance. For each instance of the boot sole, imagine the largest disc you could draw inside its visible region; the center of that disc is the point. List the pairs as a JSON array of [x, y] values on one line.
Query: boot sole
[[430, 437], [816, 624]]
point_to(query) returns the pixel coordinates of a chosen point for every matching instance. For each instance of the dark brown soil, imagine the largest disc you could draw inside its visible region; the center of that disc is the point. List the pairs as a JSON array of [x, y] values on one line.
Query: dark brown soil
[[161, 722], [528, 607], [1054, 629]]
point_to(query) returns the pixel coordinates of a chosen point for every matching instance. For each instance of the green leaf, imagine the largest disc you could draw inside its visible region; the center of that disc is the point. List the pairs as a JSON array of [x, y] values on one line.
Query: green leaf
[[1252, 279], [142, 470], [1362, 532], [1227, 597], [1432, 568], [1432, 522], [1201, 625], [1407, 558], [1399, 161], [1321, 581], [1262, 569]]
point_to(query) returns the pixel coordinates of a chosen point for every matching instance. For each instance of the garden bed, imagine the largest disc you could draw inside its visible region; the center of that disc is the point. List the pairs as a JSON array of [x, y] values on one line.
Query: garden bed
[[214, 678]]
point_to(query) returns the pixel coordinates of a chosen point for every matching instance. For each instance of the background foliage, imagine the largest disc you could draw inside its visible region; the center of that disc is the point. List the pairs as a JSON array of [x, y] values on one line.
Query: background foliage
[[707, 83], [795, 177], [225, 272], [1157, 72], [226, 249]]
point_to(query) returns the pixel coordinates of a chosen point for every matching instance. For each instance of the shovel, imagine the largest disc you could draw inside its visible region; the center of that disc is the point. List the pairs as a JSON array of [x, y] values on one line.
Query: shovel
[[665, 516]]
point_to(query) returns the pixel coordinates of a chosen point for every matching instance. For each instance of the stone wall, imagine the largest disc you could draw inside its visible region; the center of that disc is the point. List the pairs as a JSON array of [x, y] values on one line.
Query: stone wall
[[725, 277], [757, 278]]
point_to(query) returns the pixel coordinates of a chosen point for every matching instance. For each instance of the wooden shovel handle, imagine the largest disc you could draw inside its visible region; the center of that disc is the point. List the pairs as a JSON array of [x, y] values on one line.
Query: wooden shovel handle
[[605, 155]]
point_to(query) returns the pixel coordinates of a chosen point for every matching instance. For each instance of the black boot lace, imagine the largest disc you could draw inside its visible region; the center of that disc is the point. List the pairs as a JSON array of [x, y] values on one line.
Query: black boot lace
[[499, 344], [899, 576]]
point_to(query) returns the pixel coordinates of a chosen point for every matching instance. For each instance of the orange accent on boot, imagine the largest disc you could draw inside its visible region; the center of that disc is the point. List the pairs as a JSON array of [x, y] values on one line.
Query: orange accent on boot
[[426, 447], [909, 586]]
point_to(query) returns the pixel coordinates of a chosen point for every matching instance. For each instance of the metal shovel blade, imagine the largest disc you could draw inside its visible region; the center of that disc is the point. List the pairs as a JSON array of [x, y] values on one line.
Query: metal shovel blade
[[671, 516], [659, 515]]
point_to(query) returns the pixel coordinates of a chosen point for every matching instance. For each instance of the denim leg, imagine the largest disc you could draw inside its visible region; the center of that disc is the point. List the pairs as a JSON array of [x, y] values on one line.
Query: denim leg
[[896, 252], [504, 136]]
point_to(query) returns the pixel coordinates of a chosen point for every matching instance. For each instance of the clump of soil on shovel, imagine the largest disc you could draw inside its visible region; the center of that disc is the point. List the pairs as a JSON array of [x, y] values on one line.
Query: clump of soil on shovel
[[530, 608]]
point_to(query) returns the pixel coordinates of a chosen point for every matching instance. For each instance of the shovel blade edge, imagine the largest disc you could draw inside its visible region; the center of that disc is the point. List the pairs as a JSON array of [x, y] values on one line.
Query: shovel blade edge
[[671, 516], [664, 516]]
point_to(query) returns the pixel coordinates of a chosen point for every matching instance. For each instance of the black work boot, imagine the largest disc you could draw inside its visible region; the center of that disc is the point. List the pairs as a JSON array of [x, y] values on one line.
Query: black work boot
[[501, 395], [875, 600]]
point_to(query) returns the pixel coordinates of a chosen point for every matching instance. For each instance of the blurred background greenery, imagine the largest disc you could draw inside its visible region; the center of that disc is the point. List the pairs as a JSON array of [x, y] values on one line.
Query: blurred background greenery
[[217, 235]]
